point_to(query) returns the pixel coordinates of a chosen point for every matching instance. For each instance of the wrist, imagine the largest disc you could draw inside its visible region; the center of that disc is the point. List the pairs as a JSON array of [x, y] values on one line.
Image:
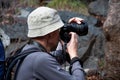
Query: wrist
[[72, 56], [74, 59]]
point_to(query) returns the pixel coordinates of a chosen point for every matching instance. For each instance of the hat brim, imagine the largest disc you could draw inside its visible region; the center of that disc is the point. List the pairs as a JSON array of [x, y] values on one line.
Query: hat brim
[[45, 30]]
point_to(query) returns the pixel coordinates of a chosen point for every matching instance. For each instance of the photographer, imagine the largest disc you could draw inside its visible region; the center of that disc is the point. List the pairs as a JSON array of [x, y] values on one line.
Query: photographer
[[43, 29]]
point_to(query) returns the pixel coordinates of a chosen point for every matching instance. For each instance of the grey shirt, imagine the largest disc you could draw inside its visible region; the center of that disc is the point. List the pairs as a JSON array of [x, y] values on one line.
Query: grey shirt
[[43, 66]]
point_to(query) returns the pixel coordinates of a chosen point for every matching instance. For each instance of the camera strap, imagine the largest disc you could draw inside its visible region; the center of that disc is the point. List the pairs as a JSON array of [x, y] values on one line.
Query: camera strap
[[64, 53]]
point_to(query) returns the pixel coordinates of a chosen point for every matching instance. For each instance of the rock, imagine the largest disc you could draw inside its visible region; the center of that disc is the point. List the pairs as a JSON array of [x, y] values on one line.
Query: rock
[[22, 18], [112, 34], [25, 12], [16, 31], [97, 51], [99, 7], [19, 29], [5, 38], [66, 15]]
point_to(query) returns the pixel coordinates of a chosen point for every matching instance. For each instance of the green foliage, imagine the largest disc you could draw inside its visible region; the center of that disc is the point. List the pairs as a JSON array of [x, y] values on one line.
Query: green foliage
[[101, 63], [71, 5], [30, 2]]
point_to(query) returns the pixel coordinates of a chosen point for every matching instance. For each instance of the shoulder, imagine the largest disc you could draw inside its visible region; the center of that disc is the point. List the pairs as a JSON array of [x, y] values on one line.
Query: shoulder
[[35, 53], [40, 57]]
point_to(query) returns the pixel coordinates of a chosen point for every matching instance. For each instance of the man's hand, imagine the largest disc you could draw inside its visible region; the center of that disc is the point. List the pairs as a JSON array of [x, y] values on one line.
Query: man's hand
[[76, 19], [72, 45]]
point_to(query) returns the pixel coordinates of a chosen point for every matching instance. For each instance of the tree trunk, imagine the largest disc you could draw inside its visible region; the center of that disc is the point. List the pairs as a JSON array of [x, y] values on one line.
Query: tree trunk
[[112, 33]]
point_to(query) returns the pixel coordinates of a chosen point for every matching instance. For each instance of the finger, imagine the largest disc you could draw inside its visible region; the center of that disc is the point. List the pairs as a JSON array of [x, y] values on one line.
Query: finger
[[76, 19], [73, 35], [78, 22], [72, 19], [79, 19]]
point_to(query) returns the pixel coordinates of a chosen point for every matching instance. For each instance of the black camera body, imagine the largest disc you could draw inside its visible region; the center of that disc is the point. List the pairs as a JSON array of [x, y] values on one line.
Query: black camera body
[[80, 29]]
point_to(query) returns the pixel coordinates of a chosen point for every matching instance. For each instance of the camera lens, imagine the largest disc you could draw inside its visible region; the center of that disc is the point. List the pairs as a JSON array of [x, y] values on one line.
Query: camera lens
[[80, 29]]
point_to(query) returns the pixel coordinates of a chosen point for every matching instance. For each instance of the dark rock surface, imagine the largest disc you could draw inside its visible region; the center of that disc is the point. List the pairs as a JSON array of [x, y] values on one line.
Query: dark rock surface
[[98, 7]]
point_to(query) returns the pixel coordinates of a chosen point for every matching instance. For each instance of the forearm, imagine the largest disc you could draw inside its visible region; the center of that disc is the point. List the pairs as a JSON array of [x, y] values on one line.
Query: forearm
[[76, 68], [77, 71]]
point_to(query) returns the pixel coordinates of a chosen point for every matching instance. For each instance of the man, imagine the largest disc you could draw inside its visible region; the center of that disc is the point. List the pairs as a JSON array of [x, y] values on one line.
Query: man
[[43, 29]]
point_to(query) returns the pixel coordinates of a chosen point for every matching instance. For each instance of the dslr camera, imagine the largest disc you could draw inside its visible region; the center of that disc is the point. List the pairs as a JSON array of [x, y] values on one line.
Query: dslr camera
[[80, 29]]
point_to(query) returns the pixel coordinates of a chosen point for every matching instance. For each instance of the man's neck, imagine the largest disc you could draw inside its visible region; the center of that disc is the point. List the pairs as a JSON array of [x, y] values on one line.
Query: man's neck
[[44, 44]]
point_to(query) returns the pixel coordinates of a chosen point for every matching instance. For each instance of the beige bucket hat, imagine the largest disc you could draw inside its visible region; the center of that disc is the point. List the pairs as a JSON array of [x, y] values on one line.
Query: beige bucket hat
[[42, 21]]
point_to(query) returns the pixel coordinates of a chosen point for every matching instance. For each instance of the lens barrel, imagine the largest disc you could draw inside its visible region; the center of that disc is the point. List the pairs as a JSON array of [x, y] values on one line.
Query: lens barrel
[[80, 29]]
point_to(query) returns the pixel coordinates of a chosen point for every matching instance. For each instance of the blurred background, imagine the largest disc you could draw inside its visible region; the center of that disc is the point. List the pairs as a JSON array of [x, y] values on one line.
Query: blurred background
[[99, 49]]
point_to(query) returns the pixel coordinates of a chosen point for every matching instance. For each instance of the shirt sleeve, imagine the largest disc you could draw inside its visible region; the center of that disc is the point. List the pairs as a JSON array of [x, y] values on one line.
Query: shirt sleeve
[[49, 69]]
